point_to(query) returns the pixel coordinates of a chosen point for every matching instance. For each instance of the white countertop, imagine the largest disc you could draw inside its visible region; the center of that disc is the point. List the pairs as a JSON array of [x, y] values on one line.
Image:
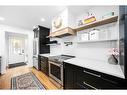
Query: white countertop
[[100, 66], [48, 54]]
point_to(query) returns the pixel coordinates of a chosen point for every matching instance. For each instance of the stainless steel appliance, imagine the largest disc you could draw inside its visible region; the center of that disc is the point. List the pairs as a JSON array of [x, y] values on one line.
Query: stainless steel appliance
[[35, 53], [39, 44], [35, 46], [56, 67]]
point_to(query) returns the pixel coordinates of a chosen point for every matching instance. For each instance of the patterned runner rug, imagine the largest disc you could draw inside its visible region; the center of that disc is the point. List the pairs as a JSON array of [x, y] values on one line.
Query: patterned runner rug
[[26, 81]]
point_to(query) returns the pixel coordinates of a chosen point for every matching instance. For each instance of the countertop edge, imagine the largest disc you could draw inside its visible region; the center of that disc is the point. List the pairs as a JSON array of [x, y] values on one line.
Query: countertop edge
[[103, 71]]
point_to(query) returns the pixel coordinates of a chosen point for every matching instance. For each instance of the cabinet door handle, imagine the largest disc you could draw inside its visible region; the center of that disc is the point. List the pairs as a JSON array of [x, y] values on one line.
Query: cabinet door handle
[[89, 85], [92, 74]]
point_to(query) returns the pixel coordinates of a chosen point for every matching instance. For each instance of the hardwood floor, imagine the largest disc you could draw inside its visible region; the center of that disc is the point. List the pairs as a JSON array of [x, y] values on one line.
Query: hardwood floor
[[5, 80]]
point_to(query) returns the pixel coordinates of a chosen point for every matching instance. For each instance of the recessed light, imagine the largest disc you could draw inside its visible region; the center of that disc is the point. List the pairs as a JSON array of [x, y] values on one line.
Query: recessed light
[[42, 19], [2, 19]]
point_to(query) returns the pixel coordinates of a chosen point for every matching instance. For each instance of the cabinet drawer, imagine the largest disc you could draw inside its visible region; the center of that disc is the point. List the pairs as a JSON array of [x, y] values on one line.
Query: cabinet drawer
[[94, 80], [43, 65], [91, 80], [42, 58], [84, 86]]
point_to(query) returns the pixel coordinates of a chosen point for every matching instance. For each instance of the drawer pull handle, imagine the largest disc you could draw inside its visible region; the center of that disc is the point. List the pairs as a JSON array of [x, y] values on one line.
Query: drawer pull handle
[[89, 85], [92, 74]]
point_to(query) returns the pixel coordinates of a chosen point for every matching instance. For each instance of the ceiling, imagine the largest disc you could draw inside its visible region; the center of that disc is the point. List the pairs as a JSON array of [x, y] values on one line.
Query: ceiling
[[29, 16]]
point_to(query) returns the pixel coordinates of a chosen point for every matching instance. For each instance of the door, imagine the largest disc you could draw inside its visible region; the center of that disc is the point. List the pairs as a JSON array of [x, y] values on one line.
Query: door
[[16, 49]]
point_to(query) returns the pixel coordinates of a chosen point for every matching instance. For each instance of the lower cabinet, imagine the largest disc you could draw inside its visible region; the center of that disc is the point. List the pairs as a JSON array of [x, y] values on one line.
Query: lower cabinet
[[93, 80], [68, 76], [44, 66], [76, 77]]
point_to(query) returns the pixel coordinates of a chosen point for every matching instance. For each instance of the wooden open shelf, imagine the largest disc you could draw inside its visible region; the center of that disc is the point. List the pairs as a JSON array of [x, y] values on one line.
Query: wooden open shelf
[[97, 23], [63, 32]]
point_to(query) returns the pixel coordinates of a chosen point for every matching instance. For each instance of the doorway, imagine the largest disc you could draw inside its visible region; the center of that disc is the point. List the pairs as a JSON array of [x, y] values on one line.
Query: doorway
[[16, 50]]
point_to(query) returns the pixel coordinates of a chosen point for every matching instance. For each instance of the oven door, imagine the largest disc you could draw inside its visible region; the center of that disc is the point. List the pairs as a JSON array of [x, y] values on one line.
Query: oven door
[[56, 72]]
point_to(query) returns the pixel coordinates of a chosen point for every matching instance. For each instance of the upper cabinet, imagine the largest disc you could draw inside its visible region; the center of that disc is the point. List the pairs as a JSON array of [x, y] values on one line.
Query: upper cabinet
[[41, 32]]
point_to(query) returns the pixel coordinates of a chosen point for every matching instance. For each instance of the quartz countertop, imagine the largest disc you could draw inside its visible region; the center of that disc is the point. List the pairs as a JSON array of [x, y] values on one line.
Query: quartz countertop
[[100, 66], [48, 54]]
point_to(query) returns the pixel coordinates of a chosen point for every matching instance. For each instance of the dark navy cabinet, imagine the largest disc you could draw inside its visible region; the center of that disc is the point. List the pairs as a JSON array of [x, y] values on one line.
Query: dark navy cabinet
[[76, 77], [44, 66], [69, 76], [41, 33], [40, 45], [123, 38]]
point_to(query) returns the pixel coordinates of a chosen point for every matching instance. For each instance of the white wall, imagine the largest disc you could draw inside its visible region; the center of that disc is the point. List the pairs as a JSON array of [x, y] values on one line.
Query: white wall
[[3, 29], [64, 16], [68, 19], [96, 51]]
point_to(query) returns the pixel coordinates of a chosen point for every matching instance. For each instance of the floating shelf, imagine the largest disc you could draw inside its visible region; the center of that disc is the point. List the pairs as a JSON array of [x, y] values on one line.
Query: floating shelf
[[97, 23], [67, 31], [93, 41]]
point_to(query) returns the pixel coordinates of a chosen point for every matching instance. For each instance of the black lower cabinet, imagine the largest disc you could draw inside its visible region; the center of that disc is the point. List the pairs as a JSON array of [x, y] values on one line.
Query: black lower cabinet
[[44, 66], [68, 76], [76, 77]]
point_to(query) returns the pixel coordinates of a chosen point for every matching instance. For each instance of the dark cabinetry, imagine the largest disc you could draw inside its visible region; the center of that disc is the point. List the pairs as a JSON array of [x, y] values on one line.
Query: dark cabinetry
[[39, 45], [89, 79], [123, 38], [76, 77], [41, 34], [69, 77], [44, 66]]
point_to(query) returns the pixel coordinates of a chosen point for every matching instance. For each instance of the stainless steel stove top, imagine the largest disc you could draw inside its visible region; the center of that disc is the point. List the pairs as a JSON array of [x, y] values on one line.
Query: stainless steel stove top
[[60, 58]]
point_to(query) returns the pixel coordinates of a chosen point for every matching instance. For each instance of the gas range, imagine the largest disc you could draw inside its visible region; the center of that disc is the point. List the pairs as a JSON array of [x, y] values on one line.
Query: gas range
[[60, 58], [56, 67]]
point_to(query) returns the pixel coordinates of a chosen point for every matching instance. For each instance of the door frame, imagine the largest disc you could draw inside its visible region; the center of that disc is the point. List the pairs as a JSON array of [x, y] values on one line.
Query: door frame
[[7, 34]]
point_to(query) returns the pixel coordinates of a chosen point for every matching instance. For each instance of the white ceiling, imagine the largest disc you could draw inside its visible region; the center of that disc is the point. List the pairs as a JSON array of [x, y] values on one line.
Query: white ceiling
[[29, 16]]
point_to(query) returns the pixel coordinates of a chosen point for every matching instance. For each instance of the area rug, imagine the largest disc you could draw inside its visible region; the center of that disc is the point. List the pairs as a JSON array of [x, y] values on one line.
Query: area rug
[[26, 81]]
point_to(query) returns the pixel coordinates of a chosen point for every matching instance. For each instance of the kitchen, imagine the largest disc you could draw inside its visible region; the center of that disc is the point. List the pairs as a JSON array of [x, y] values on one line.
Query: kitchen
[[88, 55], [84, 48]]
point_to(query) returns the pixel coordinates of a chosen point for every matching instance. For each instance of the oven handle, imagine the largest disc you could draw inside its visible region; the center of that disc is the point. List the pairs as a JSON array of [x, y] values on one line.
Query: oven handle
[[60, 65]]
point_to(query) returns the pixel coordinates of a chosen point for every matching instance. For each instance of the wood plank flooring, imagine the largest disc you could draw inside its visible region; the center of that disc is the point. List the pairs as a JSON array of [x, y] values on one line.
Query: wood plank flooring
[[5, 80]]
